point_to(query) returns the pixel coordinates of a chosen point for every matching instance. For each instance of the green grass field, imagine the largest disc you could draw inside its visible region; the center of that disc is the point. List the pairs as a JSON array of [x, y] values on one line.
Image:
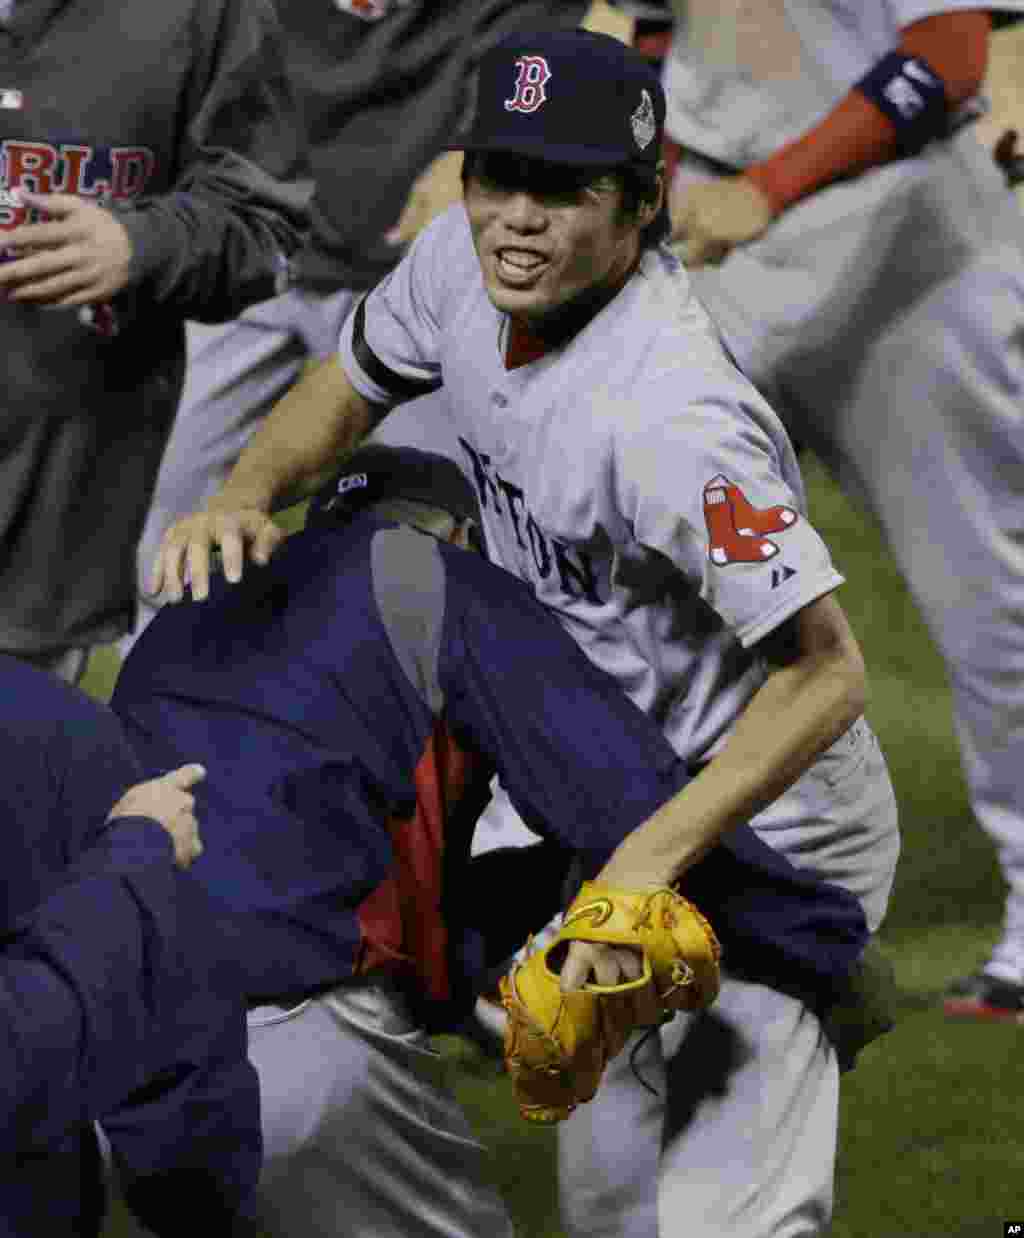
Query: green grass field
[[931, 1118]]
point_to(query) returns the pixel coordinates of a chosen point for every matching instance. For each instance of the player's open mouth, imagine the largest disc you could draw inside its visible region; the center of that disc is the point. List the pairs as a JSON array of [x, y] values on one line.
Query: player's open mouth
[[519, 266]]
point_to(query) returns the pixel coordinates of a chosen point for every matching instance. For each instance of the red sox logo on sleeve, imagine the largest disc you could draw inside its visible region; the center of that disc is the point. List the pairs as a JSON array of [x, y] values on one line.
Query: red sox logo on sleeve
[[737, 529], [533, 75]]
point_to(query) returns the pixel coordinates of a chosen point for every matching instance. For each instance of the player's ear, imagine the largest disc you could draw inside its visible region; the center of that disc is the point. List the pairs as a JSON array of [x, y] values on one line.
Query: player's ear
[[649, 209], [659, 198]]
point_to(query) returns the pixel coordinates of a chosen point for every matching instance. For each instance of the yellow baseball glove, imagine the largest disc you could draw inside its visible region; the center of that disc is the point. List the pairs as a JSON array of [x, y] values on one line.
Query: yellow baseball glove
[[558, 1044]]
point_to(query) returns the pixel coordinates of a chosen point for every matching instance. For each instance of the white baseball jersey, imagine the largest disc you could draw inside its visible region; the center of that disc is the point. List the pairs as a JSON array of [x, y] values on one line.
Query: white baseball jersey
[[746, 76], [632, 476]]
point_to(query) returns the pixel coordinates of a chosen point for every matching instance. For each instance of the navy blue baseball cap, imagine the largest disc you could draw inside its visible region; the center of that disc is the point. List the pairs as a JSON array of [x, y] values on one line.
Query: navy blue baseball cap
[[375, 472], [569, 97]]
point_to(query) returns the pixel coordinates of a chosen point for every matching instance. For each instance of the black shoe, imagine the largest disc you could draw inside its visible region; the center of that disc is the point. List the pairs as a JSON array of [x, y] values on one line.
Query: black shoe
[[985, 997]]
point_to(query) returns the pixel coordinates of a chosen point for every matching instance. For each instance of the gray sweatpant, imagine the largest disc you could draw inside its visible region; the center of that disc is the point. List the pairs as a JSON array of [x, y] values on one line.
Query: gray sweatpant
[[362, 1138]]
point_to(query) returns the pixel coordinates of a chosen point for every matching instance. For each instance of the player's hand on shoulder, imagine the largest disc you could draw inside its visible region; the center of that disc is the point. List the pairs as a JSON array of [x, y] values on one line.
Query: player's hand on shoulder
[[711, 218], [187, 546], [169, 801]]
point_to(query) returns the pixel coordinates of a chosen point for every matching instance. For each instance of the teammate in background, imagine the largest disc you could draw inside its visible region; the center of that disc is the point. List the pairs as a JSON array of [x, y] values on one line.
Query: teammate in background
[[352, 702], [119, 998], [382, 87], [631, 474], [862, 256], [122, 212]]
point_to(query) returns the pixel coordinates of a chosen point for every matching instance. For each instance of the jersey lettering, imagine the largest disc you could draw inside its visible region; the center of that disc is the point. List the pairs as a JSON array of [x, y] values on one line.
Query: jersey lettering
[[543, 554], [513, 495], [538, 547], [487, 491], [581, 574], [119, 173], [132, 168], [31, 166], [533, 76], [736, 529]]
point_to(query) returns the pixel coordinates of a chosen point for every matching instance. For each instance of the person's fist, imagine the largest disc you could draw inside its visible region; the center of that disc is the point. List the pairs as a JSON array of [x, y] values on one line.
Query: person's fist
[[187, 546], [600, 963], [710, 218], [169, 801]]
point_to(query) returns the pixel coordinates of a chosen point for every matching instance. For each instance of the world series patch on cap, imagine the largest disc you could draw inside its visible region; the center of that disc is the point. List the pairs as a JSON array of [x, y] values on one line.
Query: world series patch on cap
[[566, 96]]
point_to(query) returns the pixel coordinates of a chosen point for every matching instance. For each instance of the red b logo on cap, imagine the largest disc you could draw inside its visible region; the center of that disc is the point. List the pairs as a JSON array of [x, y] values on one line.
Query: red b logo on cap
[[534, 74]]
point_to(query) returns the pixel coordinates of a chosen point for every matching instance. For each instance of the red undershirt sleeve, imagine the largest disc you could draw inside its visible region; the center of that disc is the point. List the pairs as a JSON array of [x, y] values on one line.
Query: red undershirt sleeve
[[856, 135]]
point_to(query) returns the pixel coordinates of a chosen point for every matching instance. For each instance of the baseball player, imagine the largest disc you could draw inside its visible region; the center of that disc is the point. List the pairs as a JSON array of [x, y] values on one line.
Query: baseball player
[[862, 256], [124, 210], [352, 701], [381, 86], [639, 483], [118, 993]]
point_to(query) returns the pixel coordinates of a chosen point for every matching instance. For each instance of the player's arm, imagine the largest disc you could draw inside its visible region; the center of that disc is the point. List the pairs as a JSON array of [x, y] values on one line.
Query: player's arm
[[902, 103], [388, 354], [815, 691], [582, 764], [320, 419]]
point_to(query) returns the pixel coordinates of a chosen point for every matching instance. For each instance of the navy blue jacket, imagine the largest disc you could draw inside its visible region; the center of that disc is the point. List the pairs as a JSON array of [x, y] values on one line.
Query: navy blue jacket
[[119, 999], [351, 701]]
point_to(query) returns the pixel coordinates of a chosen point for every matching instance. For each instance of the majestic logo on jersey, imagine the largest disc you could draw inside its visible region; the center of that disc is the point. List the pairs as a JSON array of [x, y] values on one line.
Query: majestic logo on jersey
[[370, 10], [531, 79], [645, 126], [541, 555], [736, 530]]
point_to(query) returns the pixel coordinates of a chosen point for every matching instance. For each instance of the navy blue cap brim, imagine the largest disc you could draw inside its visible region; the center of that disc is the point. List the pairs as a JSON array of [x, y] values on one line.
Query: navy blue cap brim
[[575, 156]]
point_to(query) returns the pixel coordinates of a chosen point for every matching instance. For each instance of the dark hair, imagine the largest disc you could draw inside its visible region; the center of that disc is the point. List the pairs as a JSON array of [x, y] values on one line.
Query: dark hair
[[639, 186]]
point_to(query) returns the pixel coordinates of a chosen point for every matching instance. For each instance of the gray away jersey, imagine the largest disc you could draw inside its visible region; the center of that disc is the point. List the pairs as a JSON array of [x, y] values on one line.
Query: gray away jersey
[[633, 477]]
